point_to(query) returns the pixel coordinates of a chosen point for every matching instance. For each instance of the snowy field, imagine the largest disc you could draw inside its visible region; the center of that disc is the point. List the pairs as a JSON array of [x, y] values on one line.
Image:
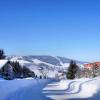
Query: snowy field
[[36, 89]]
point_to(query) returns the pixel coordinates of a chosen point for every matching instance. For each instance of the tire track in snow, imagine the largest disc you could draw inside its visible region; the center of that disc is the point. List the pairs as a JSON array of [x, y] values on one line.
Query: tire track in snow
[[74, 87], [71, 88]]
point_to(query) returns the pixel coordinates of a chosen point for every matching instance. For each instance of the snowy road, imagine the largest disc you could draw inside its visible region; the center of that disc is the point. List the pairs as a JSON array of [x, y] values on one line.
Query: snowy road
[[23, 89], [68, 90]]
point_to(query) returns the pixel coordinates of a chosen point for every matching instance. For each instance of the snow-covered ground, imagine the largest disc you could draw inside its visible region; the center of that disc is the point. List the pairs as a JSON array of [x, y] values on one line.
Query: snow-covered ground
[[36, 89], [87, 89], [22, 89]]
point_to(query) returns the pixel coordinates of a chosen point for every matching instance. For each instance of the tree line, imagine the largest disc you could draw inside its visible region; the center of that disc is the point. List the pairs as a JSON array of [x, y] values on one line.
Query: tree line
[[72, 72], [15, 70]]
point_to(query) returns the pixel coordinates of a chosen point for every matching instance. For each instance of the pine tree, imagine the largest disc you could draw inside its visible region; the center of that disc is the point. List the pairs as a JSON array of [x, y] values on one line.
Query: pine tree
[[17, 68], [2, 55], [71, 70], [27, 72], [7, 72]]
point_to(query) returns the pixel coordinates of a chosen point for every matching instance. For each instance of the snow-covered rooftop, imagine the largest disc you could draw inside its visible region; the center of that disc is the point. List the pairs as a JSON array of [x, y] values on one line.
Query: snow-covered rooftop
[[3, 62]]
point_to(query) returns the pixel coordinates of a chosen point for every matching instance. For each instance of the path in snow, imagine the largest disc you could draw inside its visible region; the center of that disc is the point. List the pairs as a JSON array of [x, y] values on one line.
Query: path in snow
[[23, 89], [65, 90]]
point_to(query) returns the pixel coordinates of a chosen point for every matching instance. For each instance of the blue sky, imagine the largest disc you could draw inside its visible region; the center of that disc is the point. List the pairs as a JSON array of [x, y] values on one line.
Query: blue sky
[[69, 28]]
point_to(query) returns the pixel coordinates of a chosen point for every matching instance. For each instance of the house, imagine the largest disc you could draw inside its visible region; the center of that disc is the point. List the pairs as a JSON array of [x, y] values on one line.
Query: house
[[90, 65], [6, 70]]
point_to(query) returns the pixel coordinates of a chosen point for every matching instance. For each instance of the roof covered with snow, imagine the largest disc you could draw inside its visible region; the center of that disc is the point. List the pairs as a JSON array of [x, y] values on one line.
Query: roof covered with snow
[[3, 62]]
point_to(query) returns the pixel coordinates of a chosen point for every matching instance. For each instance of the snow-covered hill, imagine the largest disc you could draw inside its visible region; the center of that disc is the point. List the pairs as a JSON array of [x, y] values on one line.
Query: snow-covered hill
[[51, 63]]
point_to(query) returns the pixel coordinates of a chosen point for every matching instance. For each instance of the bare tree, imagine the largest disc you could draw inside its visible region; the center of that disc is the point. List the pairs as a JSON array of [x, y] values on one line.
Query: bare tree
[[43, 71]]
